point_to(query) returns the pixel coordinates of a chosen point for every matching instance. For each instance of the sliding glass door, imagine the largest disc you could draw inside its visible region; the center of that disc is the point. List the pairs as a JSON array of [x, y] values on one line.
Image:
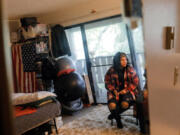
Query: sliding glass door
[[93, 46], [74, 37], [104, 39]]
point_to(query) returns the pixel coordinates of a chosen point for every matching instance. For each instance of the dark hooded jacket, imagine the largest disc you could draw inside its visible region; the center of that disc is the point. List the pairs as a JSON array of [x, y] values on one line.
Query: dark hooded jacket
[[118, 78], [60, 45]]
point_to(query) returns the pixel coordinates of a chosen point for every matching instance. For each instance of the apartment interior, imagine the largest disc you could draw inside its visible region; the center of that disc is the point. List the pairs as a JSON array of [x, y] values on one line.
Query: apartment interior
[[94, 32]]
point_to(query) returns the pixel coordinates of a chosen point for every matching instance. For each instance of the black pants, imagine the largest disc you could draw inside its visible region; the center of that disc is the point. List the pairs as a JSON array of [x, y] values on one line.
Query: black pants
[[122, 98], [129, 99]]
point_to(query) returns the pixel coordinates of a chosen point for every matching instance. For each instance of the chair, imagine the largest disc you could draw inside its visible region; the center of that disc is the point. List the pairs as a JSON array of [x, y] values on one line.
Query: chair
[[133, 115], [140, 119]]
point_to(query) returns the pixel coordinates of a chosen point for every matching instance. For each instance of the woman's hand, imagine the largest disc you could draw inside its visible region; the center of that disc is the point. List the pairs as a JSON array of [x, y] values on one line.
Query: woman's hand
[[122, 92], [116, 93]]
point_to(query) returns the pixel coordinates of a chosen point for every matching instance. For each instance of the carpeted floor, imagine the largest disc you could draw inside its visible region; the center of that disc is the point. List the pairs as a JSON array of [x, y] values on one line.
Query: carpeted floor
[[95, 123]]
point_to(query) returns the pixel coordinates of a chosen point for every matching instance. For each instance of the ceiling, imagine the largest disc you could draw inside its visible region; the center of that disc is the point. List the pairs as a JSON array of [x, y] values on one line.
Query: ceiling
[[19, 8], [64, 12]]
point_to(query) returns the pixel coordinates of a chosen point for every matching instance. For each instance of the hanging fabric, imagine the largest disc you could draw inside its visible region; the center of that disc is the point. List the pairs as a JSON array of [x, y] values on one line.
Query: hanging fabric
[[60, 44], [32, 52], [28, 57], [23, 81], [24, 58]]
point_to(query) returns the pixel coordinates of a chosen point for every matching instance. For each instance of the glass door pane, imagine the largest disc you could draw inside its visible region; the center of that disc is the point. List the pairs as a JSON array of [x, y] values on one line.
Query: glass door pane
[[137, 35], [104, 39], [77, 50]]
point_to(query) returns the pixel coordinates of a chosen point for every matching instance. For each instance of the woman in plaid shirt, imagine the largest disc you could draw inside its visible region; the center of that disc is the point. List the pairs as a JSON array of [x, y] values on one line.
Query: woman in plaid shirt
[[121, 81]]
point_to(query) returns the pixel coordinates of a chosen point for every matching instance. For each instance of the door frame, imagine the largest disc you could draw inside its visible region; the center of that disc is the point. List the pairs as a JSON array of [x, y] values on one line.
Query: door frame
[[6, 113], [133, 56], [88, 62]]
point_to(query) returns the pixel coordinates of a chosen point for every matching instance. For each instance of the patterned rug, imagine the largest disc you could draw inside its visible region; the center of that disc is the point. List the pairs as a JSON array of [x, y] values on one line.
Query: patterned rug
[[95, 122]]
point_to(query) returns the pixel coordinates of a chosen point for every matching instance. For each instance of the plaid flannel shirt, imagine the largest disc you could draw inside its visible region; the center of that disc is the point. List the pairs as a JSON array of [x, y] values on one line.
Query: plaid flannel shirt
[[112, 82]]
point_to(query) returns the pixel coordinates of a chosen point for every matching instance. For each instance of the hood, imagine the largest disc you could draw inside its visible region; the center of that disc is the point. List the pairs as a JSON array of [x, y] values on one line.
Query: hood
[[116, 61]]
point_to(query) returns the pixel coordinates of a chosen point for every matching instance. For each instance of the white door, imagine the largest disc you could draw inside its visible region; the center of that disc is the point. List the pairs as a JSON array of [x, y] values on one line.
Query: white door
[[164, 97]]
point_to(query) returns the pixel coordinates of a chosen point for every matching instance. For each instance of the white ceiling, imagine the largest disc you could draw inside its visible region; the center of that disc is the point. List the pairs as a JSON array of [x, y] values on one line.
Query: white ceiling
[[65, 12], [19, 8]]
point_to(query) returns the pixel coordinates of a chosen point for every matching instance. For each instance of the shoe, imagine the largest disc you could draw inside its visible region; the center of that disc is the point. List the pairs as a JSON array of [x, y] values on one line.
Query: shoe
[[119, 123], [110, 117]]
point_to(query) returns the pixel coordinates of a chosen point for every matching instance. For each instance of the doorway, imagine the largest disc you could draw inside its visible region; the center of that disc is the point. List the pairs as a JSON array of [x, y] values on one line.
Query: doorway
[[93, 45]]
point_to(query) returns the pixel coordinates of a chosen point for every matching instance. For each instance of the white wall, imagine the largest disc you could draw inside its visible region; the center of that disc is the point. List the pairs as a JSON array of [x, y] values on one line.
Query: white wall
[[163, 96]]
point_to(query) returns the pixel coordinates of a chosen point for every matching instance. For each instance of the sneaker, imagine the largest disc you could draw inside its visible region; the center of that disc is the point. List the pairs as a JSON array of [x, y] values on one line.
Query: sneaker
[[119, 123]]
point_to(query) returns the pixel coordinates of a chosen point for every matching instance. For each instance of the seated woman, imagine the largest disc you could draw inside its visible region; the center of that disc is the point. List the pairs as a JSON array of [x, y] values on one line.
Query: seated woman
[[121, 81]]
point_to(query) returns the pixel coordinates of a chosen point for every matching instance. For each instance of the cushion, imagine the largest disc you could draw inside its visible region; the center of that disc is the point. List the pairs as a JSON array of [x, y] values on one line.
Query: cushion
[[23, 98], [44, 94]]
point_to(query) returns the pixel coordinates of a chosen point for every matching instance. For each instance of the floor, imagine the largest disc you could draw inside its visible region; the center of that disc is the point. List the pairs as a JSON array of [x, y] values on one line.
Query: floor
[[93, 121], [75, 115]]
